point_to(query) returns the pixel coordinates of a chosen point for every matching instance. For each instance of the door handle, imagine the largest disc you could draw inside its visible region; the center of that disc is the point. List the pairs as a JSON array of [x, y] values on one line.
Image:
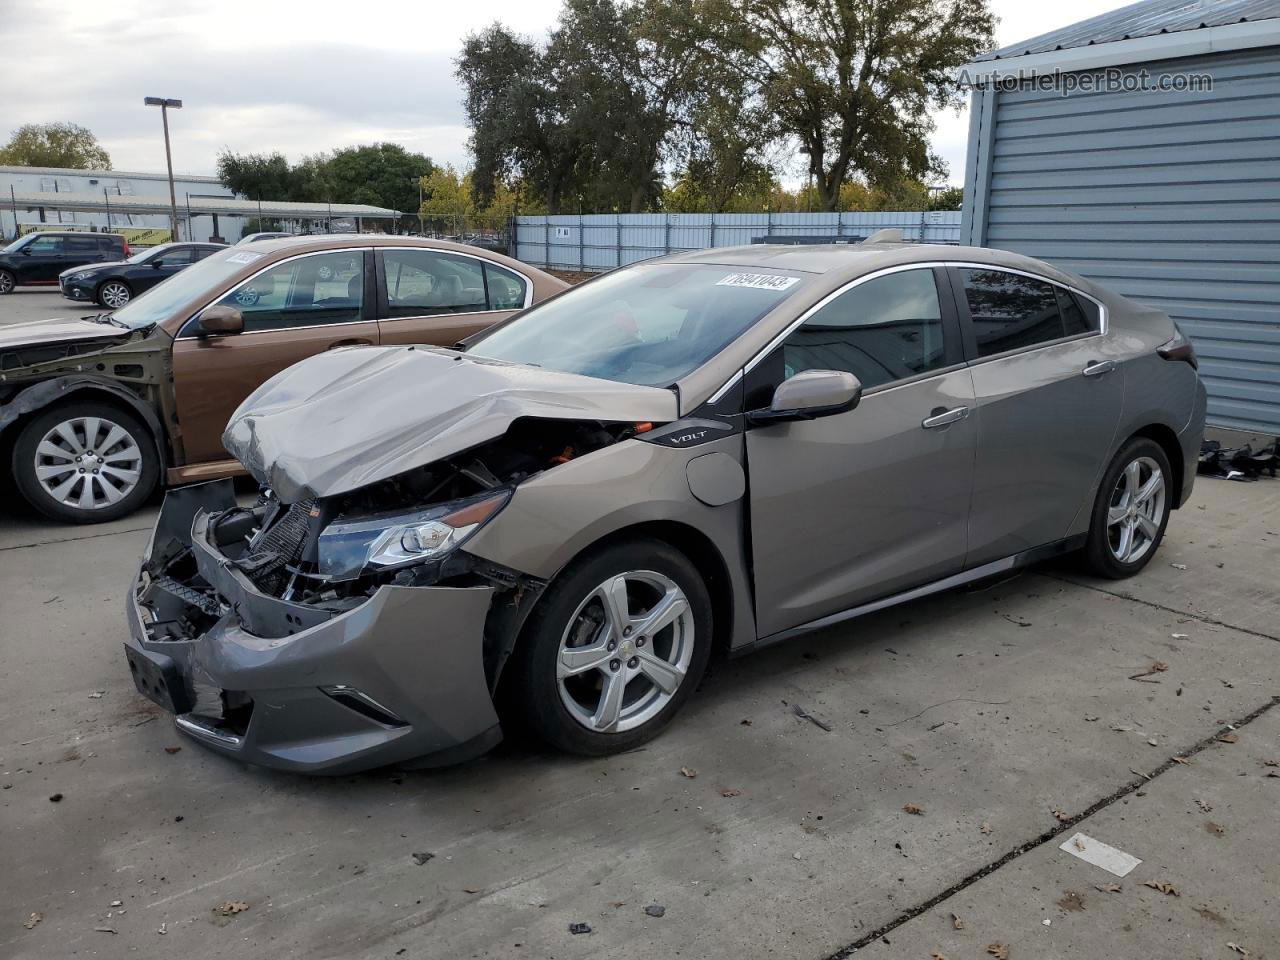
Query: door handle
[[353, 342], [942, 418], [1098, 368]]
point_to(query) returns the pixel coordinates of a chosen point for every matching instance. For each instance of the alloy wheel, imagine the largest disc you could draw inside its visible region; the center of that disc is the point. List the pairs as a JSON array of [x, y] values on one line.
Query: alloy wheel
[[88, 463], [6, 282], [115, 295], [1136, 510], [625, 652]]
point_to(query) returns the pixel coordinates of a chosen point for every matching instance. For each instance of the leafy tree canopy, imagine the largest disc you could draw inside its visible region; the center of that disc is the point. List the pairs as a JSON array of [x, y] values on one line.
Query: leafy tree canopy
[[380, 174], [54, 145]]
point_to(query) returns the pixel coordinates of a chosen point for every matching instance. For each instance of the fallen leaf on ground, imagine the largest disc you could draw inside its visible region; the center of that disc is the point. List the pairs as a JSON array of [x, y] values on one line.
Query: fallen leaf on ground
[[1228, 738], [423, 857], [935, 955], [1163, 886], [1182, 760], [1206, 807], [32, 920], [1216, 829], [1071, 901], [956, 922], [1108, 887], [1237, 948], [730, 792], [998, 950], [231, 908], [1178, 566], [172, 749], [985, 828], [1064, 817], [470, 889], [913, 809], [688, 772], [1078, 843], [618, 903]]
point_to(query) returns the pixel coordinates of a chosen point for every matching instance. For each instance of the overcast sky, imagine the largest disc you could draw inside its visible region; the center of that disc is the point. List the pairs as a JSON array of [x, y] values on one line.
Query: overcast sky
[[298, 77]]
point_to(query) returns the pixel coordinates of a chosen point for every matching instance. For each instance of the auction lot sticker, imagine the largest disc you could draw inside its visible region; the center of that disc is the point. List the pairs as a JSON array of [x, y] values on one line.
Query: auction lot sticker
[[245, 257], [760, 281]]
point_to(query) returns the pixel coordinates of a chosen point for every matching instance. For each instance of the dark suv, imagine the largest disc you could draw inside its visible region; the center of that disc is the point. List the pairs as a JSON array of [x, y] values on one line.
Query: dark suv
[[40, 257]]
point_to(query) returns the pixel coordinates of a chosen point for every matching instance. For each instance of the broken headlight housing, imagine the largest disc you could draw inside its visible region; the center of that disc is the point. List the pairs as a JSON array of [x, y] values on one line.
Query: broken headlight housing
[[350, 547]]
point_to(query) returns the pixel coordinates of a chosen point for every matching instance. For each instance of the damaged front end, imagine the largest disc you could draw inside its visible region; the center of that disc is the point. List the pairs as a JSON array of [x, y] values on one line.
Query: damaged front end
[[342, 632]]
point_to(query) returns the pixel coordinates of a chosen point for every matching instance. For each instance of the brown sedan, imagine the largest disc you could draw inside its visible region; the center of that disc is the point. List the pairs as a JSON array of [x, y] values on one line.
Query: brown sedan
[[94, 410]]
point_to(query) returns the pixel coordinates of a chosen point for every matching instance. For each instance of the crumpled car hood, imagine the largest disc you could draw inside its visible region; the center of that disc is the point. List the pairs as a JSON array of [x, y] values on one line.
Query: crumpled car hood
[[39, 332], [347, 418]]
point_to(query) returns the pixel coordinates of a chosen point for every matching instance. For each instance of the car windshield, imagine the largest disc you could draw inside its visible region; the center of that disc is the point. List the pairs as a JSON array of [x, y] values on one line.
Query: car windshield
[[142, 256], [161, 300], [649, 324], [20, 243]]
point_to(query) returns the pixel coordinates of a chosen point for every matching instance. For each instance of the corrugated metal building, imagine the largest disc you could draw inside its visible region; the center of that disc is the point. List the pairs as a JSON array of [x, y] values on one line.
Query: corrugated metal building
[[1141, 149]]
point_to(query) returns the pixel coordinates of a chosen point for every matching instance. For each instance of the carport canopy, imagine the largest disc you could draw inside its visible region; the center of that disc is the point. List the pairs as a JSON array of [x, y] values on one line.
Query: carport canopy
[[221, 206]]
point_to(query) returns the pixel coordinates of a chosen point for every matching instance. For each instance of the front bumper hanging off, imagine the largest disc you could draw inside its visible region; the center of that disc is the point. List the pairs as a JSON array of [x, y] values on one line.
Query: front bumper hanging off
[[286, 685]]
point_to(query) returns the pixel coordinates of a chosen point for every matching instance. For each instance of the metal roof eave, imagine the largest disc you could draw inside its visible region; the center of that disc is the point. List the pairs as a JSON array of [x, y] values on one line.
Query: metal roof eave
[[1162, 46], [225, 206]]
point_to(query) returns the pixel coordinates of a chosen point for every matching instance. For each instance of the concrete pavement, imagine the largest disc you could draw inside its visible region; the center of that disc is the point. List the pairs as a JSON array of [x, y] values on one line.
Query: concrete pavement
[[997, 706]]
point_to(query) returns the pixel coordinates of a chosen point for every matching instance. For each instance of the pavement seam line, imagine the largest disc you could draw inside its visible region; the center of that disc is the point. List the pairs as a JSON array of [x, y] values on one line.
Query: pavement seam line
[[1052, 833], [1160, 606], [87, 536]]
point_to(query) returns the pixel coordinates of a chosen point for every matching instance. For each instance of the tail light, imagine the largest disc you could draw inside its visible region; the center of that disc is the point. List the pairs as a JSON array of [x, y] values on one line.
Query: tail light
[[1179, 348]]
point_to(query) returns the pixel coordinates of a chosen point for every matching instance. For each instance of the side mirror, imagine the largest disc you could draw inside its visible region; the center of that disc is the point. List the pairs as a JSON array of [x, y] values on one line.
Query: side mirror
[[157, 262], [221, 319], [811, 394]]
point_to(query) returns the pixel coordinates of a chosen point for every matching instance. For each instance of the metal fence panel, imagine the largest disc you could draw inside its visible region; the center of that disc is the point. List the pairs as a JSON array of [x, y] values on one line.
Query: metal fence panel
[[603, 241]]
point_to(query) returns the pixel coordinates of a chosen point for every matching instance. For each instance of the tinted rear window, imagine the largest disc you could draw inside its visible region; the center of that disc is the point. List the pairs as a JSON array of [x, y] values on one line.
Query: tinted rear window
[[1010, 311]]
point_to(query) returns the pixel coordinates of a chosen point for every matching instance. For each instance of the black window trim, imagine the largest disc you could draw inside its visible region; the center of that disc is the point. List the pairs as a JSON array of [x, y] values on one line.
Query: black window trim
[[966, 320]]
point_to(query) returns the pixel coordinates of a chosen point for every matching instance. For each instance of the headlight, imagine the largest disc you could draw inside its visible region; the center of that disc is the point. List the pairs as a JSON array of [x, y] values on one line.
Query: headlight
[[82, 275], [348, 548]]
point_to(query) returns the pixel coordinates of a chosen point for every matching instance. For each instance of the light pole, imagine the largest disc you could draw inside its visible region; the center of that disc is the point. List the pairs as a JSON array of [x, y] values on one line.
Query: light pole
[[164, 104]]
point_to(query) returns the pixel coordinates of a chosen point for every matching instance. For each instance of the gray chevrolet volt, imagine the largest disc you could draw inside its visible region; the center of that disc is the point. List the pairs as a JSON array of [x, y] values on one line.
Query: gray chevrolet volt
[[553, 526]]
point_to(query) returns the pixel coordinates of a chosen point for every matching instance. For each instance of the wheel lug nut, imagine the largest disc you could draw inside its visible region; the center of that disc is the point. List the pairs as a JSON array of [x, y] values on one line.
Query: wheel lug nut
[[626, 631], [612, 645], [640, 642], [633, 662], [615, 665]]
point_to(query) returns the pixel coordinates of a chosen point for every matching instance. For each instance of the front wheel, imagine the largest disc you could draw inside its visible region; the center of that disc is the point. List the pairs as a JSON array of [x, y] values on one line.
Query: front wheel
[[1131, 511], [7, 282], [85, 462], [114, 294], [614, 649]]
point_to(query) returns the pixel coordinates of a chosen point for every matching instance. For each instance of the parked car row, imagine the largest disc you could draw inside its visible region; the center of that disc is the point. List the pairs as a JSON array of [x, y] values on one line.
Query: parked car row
[[551, 526]]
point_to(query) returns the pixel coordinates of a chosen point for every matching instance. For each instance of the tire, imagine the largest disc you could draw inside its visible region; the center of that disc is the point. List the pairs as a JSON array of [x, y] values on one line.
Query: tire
[[570, 712], [1123, 534], [121, 447], [7, 282], [113, 294]]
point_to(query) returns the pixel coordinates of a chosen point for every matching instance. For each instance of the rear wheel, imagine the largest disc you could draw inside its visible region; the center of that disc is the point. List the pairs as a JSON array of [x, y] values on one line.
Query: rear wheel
[[7, 282], [614, 649], [85, 462], [114, 294], [1131, 511]]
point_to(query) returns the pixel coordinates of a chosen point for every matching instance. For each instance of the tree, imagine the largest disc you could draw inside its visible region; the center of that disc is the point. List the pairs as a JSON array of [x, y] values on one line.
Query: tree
[[380, 174], [950, 198], [258, 176], [55, 145], [853, 81]]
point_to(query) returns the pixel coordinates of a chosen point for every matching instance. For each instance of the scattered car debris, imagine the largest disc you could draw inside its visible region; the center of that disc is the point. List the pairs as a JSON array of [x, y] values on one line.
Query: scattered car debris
[[577, 928], [423, 857], [97, 695], [654, 910], [110, 930], [1100, 854], [1168, 889], [745, 722], [688, 772], [32, 920], [913, 809], [998, 950], [1071, 901], [164, 928], [1236, 463], [116, 903], [800, 712], [55, 798], [229, 908], [956, 922]]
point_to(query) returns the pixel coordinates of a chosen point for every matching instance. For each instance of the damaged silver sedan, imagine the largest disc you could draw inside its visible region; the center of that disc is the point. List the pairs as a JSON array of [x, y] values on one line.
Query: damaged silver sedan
[[554, 526]]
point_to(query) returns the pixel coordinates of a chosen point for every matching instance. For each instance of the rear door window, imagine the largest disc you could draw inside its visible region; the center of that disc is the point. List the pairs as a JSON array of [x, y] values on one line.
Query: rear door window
[[81, 245], [424, 283], [1010, 311]]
